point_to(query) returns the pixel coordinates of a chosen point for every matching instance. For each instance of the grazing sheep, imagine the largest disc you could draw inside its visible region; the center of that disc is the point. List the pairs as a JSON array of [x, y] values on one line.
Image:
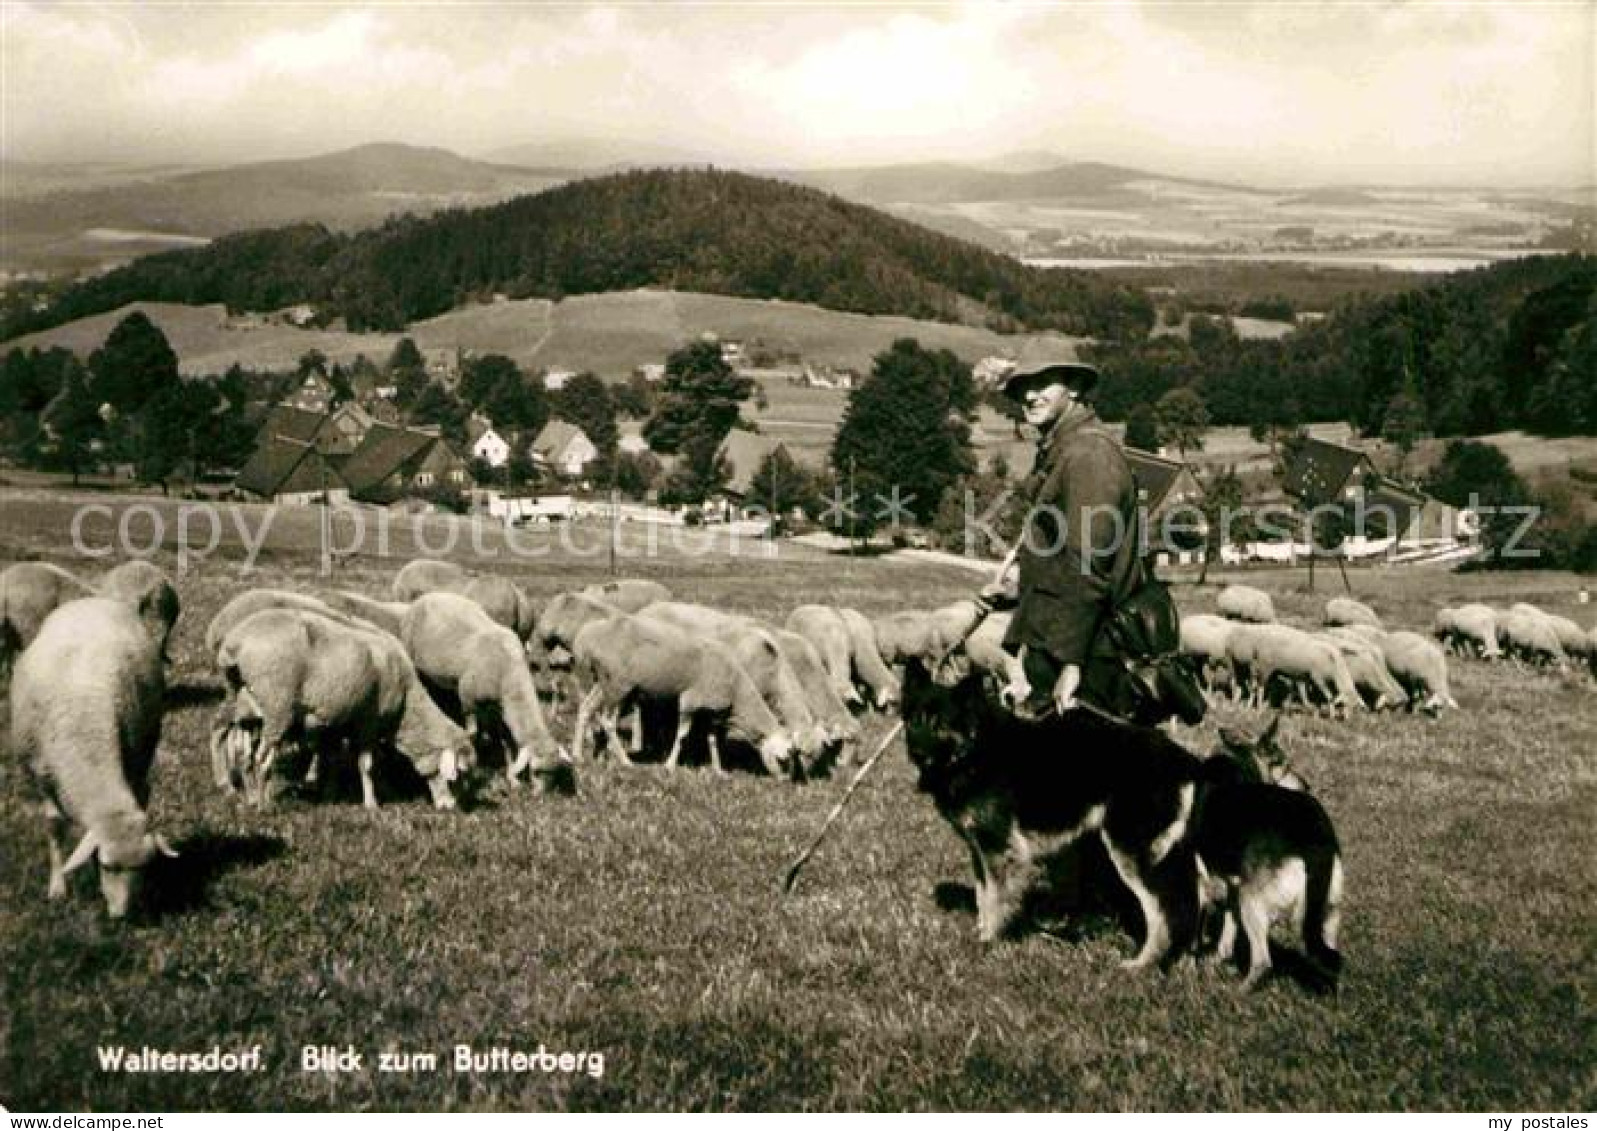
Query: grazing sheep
[[924, 635], [30, 592], [1245, 603], [1366, 663], [1571, 637], [562, 618], [426, 575], [825, 629], [297, 674], [146, 587], [761, 657], [458, 648], [1204, 638], [866, 654], [1261, 651], [1529, 637], [85, 720], [629, 656], [252, 601], [1420, 666], [831, 713], [1346, 611], [629, 594], [501, 599], [386, 615], [985, 647], [1468, 630]]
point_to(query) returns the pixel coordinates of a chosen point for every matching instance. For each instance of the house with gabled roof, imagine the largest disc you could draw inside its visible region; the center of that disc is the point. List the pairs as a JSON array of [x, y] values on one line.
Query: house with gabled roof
[[1162, 484], [289, 471], [315, 394], [564, 448], [485, 442], [392, 461]]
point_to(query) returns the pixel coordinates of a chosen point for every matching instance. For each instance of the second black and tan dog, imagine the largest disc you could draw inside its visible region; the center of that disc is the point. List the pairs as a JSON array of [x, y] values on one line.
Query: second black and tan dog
[[1021, 792]]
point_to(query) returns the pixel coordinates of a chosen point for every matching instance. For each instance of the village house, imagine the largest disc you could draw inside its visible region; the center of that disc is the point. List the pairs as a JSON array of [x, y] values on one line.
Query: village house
[[1162, 484], [290, 471], [485, 442], [563, 448], [314, 394], [630, 439], [556, 379], [393, 461]]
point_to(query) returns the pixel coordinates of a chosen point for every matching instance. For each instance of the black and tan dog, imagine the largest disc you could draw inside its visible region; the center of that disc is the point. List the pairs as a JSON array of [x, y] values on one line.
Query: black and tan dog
[[1021, 792]]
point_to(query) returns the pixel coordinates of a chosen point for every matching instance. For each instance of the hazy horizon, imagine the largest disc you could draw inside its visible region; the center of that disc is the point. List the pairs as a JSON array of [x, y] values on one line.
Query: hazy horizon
[[1490, 95]]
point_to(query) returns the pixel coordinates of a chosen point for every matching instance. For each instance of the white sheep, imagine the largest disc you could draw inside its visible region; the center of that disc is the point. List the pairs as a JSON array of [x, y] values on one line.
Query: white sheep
[[1528, 636], [1468, 630], [297, 674], [458, 648], [865, 655], [565, 615], [1367, 664], [1346, 611], [146, 587], [1204, 637], [426, 575], [30, 592], [628, 656], [1571, 637], [925, 635], [825, 629], [386, 615], [629, 594], [840, 728], [85, 720], [1261, 651], [246, 604], [761, 657], [1420, 666], [1245, 603]]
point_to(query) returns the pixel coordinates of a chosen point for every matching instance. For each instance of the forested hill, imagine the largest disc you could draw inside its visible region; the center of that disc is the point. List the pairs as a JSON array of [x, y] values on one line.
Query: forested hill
[[699, 230]]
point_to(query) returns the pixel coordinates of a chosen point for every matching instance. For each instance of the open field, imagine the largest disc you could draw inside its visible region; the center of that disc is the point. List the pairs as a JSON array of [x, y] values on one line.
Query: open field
[[641, 918], [609, 334]]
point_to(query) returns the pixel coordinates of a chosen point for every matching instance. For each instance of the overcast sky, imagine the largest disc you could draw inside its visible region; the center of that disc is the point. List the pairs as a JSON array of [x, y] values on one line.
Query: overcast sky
[[1275, 93]]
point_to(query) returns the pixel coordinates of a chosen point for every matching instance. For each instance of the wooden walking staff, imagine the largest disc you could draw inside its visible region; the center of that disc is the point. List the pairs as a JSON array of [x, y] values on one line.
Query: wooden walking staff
[[803, 858]]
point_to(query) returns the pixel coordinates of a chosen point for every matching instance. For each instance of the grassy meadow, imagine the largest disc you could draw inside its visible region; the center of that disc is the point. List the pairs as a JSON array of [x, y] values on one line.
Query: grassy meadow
[[642, 920]]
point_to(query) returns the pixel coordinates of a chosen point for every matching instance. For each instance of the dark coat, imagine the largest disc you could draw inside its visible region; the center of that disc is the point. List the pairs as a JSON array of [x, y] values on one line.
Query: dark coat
[[1068, 582]]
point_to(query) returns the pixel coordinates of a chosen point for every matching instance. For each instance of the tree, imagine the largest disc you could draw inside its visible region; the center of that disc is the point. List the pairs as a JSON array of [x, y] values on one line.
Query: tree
[[74, 419], [407, 372], [1403, 423], [134, 364], [1222, 509], [635, 473], [585, 401], [174, 429], [698, 404], [311, 361], [1478, 476], [1142, 431], [495, 385], [633, 398], [905, 435], [437, 405], [1182, 418], [781, 484]]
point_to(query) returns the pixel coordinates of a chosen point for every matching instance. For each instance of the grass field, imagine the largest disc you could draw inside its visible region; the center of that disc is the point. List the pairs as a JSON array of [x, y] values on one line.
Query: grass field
[[641, 919]]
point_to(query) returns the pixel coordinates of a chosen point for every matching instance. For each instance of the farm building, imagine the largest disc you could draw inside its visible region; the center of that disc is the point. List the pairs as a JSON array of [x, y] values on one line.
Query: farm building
[[315, 394], [564, 448], [1162, 484], [485, 442], [391, 461], [285, 470], [630, 437]]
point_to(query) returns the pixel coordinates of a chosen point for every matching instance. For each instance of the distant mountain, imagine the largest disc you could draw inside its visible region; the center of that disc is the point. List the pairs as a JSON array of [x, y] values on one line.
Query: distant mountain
[[700, 230], [953, 183], [350, 189], [596, 155]]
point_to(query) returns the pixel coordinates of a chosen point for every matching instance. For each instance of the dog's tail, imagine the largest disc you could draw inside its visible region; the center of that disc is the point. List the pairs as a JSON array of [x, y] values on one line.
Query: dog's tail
[[1322, 913]]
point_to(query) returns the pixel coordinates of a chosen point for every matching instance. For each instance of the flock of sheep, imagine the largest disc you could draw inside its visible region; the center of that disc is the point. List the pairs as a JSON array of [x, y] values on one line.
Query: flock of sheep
[[449, 674], [1354, 662]]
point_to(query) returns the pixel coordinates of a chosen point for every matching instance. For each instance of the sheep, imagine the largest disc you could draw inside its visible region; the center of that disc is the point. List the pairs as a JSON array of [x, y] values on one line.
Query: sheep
[[831, 713], [502, 600], [825, 629], [1262, 651], [85, 720], [1204, 637], [30, 592], [1245, 603], [1529, 637], [426, 575], [761, 657], [1420, 666], [561, 619], [1468, 630], [1571, 637], [1346, 611], [1367, 664], [386, 615], [458, 648], [985, 648], [292, 672], [865, 653], [252, 601], [146, 587], [924, 635], [629, 594], [629, 656]]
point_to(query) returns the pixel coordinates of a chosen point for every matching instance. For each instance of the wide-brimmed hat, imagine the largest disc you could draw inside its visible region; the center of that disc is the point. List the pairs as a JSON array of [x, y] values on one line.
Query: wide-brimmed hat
[[1043, 364]]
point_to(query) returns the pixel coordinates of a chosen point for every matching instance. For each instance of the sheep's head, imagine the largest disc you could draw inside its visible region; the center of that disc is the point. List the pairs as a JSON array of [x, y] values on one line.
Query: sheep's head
[[776, 752], [550, 768], [123, 849]]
